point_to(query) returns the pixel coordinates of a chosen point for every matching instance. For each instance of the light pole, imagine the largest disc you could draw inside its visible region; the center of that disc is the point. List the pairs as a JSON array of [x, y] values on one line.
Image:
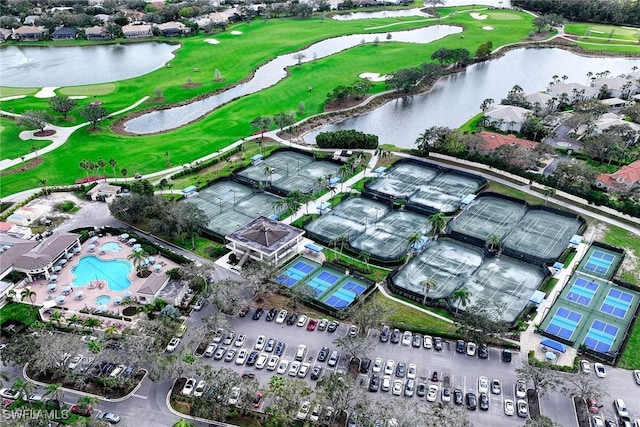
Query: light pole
[[377, 210], [220, 203], [234, 196]]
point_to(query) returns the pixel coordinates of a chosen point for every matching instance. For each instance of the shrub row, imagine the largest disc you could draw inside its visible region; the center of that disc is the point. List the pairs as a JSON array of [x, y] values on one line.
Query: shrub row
[[350, 139]]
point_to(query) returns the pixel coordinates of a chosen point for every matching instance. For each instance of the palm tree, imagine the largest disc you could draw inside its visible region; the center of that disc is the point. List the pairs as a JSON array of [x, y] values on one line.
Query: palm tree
[[87, 402], [94, 346], [427, 285], [548, 192], [110, 331], [84, 165], [57, 317], [413, 239], [438, 222], [493, 242], [461, 296], [55, 391], [102, 165], [45, 189], [11, 295], [28, 293], [343, 173], [113, 163], [25, 388], [364, 257], [124, 173], [184, 423], [92, 323], [268, 171], [74, 321], [136, 257]]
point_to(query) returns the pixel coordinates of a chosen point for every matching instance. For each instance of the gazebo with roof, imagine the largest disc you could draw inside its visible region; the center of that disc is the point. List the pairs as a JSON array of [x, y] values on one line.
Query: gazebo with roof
[[265, 239]]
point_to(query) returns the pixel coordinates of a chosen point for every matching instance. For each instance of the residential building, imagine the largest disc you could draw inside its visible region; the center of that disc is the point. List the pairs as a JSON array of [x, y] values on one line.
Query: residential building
[[64, 33], [508, 118], [5, 34], [29, 33], [97, 33], [541, 99], [137, 31], [104, 192], [573, 91], [623, 178], [619, 87], [172, 29], [495, 140]]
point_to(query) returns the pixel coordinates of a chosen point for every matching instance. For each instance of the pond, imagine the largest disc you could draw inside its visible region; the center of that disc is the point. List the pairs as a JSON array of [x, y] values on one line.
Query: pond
[[57, 66], [271, 73], [457, 98], [380, 14]]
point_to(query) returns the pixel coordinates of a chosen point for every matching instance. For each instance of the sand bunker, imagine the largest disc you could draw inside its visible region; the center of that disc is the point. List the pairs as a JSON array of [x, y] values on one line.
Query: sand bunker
[[374, 77], [46, 92], [78, 97], [9, 98], [487, 27], [236, 33], [212, 41], [475, 15]]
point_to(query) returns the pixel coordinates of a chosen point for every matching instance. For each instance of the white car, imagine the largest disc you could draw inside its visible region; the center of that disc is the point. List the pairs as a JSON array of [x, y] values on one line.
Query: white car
[[272, 363], [262, 361], [521, 389], [304, 410], [304, 370], [585, 366], [599, 368], [88, 338], [446, 394], [242, 357], [390, 367], [406, 338], [597, 421], [199, 390], [432, 393], [471, 348], [397, 387], [377, 365], [412, 371], [8, 393], [522, 408], [427, 341], [173, 344], [109, 417], [282, 367], [386, 383], [73, 364], [260, 342], [240, 340], [314, 416], [211, 350], [235, 395], [621, 408], [496, 387], [282, 316], [302, 320], [187, 390], [294, 368], [509, 408], [483, 385]]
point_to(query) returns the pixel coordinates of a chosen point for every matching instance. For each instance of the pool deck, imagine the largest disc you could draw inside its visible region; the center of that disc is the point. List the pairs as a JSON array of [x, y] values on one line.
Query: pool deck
[[72, 305]]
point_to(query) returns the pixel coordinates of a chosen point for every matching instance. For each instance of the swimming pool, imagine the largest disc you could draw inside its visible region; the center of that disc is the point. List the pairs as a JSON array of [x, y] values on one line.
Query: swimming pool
[[111, 247], [102, 300], [115, 272]]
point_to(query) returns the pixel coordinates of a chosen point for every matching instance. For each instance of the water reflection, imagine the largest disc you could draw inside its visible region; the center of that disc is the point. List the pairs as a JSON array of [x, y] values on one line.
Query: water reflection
[[40, 66], [457, 98], [379, 14]]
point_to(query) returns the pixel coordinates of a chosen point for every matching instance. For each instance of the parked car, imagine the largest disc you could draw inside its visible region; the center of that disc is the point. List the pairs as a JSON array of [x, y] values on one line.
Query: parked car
[[509, 407], [585, 366], [365, 364], [282, 367], [294, 367], [305, 407], [416, 341], [187, 390], [270, 345], [322, 324], [600, 371], [282, 316], [472, 401], [521, 389], [506, 355], [412, 371], [252, 358], [432, 393], [73, 364], [483, 351], [271, 314], [397, 387], [400, 370], [621, 408], [471, 348], [200, 387], [272, 363], [82, 410], [484, 401], [597, 421], [374, 383], [304, 370], [258, 313], [333, 359], [384, 334], [228, 339], [523, 408], [231, 354], [244, 310], [292, 319], [446, 394], [211, 350], [234, 396], [395, 336], [312, 324], [377, 365], [242, 357], [173, 344], [496, 387], [421, 390], [406, 338], [457, 396], [302, 320], [9, 393], [279, 349], [353, 331], [386, 383], [389, 367], [427, 341], [240, 340], [460, 346], [301, 352], [592, 405], [323, 354], [333, 326], [314, 416], [199, 304], [262, 361], [437, 343], [109, 417], [257, 400], [409, 388], [316, 372], [219, 354]]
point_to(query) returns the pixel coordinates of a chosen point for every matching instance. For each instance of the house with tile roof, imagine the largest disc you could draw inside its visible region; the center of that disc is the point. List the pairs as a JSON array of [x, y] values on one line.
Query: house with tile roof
[[172, 29], [508, 118], [495, 140], [29, 33], [97, 33], [137, 31], [623, 178]]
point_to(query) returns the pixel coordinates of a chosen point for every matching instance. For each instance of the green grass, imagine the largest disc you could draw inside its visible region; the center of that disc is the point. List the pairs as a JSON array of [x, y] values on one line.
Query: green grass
[[89, 90], [609, 38], [630, 242], [236, 57], [15, 91], [472, 124], [407, 318], [24, 313], [12, 146]]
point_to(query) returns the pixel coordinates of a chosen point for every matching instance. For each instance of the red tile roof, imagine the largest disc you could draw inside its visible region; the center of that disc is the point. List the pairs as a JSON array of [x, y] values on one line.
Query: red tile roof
[[495, 140], [626, 175]]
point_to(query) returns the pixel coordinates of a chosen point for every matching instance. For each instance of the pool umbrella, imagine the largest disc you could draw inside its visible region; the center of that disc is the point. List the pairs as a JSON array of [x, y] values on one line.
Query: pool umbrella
[[60, 299], [79, 295], [62, 261], [91, 247], [132, 241], [57, 268], [127, 294], [52, 287], [76, 250], [102, 307], [137, 249], [157, 267], [124, 236], [94, 239], [69, 255], [117, 300], [151, 260], [53, 277], [66, 290], [137, 245]]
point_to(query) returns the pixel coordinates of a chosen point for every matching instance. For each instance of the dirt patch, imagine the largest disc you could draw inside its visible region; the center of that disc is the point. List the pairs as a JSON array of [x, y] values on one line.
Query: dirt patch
[[629, 262], [191, 85], [47, 132], [31, 164], [596, 232], [156, 100]]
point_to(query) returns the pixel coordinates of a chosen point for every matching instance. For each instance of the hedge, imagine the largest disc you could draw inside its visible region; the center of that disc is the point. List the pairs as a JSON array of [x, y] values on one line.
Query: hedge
[[350, 139]]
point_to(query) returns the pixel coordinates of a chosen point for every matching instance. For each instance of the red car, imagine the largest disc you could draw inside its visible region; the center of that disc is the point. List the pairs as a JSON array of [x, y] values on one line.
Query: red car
[[257, 400], [244, 311], [593, 405], [82, 410], [311, 326]]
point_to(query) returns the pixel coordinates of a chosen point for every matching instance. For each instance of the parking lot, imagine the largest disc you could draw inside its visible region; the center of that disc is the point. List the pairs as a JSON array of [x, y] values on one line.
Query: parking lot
[[457, 369]]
